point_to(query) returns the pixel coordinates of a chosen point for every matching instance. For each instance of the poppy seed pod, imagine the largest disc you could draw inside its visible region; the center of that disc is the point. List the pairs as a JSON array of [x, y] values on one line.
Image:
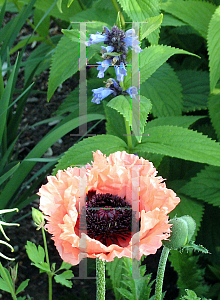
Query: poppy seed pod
[[179, 234], [38, 218], [191, 226]]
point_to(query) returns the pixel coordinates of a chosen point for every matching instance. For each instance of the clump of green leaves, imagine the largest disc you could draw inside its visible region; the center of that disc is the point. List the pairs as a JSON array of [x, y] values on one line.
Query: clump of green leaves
[[191, 295], [190, 273], [124, 283], [8, 282], [37, 256]]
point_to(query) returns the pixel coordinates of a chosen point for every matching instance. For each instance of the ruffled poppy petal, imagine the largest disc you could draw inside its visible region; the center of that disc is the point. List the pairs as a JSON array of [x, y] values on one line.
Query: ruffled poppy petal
[[122, 174]]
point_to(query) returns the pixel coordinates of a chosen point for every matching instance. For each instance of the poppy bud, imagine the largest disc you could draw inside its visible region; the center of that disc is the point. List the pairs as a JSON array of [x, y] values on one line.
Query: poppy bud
[[38, 218], [191, 226], [179, 234]]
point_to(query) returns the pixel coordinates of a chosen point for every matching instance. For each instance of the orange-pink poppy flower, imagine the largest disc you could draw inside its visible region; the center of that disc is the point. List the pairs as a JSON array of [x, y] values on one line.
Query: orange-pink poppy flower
[[89, 209]]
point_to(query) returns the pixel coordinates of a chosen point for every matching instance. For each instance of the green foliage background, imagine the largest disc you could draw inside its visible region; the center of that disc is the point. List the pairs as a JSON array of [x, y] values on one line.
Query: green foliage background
[[179, 105]]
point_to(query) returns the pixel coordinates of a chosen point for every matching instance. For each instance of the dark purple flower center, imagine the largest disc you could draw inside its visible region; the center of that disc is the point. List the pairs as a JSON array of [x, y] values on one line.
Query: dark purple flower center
[[116, 39], [108, 218]]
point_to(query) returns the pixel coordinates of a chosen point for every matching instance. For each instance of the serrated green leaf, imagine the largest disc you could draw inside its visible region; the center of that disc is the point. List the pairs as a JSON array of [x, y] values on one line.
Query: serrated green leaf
[[63, 65], [22, 286], [93, 14], [205, 186], [43, 267], [63, 278], [73, 35], [169, 20], [181, 143], [191, 295], [194, 247], [195, 86], [35, 254], [190, 207], [164, 90], [181, 121], [214, 48], [81, 153], [114, 269], [195, 13], [65, 266], [190, 274], [140, 10], [214, 110], [64, 62], [115, 123], [125, 293], [151, 58], [152, 24], [209, 234], [130, 111]]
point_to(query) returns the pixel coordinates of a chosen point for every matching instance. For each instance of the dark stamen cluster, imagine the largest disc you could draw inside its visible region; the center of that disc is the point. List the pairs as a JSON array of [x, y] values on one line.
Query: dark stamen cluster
[[116, 39], [108, 218]]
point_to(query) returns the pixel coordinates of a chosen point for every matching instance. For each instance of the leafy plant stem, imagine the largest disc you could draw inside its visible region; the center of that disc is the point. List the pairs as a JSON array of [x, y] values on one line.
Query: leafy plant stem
[[100, 279], [9, 284], [115, 4], [48, 262], [160, 273], [128, 133]]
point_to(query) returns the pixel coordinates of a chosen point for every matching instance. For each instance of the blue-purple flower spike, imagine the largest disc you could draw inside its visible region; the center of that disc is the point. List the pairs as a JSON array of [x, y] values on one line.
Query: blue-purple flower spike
[[131, 40], [96, 38], [132, 91], [120, 72], [100, 93], [112, 87], [103, 67]]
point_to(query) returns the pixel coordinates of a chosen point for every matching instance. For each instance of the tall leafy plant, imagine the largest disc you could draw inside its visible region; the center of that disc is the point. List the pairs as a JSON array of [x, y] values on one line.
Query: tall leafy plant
[[178, 94]]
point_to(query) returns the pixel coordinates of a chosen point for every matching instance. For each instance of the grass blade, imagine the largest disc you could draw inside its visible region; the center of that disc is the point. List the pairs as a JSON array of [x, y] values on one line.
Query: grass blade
[[5, 100], [26, 166], [13, 30], [9, 173]]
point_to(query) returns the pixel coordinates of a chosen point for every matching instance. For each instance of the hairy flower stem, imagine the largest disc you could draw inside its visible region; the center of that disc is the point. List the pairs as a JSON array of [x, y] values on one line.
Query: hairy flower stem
[[160, 273], [48, 262], [128, 134], [100, 279]]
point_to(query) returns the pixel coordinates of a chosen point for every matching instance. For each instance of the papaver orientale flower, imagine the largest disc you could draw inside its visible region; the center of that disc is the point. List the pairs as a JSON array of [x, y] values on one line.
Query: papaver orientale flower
[[108, 188]]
